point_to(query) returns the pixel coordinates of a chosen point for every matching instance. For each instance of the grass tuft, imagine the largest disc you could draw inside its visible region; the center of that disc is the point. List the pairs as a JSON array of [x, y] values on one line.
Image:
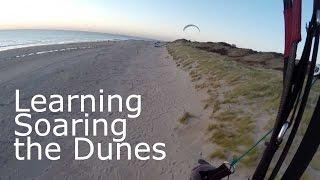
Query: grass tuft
[[185, 118]]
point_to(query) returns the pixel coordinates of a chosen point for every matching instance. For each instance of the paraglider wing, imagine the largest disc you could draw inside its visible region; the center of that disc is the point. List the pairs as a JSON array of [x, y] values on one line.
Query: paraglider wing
[[191, 25]]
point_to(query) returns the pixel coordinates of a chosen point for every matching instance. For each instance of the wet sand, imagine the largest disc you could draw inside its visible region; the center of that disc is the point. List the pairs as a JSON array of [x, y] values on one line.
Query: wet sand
[[124, 67]]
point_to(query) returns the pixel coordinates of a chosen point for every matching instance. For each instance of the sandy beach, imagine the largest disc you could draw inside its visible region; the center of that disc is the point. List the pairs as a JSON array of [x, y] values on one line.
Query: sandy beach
[[123, 67]]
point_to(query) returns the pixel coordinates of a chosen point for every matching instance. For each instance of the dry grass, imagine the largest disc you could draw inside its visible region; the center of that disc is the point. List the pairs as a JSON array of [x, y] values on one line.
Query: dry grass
[[213, 103], [218, 154], [185, 118], [212, 127]]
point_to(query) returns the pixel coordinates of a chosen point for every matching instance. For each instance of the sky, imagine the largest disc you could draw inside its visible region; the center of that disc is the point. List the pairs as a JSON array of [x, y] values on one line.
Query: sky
[[252, 24]]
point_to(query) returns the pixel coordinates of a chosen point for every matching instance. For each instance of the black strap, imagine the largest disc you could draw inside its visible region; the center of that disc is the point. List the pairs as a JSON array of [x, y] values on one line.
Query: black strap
[[285, 65], [307, 148], [216, 174]]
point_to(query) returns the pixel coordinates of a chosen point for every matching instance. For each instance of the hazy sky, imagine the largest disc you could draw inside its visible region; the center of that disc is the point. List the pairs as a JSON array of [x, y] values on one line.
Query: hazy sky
[[247, 23]]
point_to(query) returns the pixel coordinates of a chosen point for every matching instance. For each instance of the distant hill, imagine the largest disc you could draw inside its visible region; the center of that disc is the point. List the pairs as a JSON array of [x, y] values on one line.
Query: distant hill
[[270, 60]]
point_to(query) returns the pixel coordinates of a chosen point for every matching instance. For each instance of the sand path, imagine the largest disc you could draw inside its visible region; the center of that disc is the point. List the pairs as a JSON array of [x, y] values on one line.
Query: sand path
[[126, 67]]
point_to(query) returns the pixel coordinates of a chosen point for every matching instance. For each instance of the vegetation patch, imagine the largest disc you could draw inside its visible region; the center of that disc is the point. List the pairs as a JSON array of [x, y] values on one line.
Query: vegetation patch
[[243, 85], [218, 154], [185, 118]]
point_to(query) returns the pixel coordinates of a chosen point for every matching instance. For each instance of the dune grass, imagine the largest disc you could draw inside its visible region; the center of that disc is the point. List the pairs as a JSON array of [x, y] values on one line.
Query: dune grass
[[232, 130], [218, 154], [242, 87], [185, 118]]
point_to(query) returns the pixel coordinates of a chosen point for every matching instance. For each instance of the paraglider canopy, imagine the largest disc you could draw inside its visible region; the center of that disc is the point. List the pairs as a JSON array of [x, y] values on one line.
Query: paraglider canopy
[[191, 26]]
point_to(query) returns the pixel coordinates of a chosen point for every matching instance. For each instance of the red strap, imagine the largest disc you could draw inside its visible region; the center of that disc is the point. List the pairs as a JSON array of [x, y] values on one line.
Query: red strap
[[288, 31], [292, 20], [296, 21]]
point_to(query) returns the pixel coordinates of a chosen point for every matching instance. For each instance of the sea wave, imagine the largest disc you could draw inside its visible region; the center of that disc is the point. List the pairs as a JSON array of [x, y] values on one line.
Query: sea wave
[[12, 39]]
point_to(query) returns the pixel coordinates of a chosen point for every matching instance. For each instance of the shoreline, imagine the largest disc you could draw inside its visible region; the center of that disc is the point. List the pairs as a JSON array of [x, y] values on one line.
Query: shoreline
[[52, 47], [21, 46], [21, 38]]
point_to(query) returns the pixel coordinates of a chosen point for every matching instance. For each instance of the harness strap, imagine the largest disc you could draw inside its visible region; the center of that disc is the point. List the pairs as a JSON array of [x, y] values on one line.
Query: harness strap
[[292, 19]]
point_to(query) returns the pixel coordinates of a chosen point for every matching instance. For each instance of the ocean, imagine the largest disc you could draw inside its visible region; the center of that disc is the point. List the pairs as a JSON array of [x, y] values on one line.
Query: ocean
[[11, 39]]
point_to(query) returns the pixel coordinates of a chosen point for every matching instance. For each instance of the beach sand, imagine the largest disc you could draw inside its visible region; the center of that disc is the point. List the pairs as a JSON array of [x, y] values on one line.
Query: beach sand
[[123, 67]]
